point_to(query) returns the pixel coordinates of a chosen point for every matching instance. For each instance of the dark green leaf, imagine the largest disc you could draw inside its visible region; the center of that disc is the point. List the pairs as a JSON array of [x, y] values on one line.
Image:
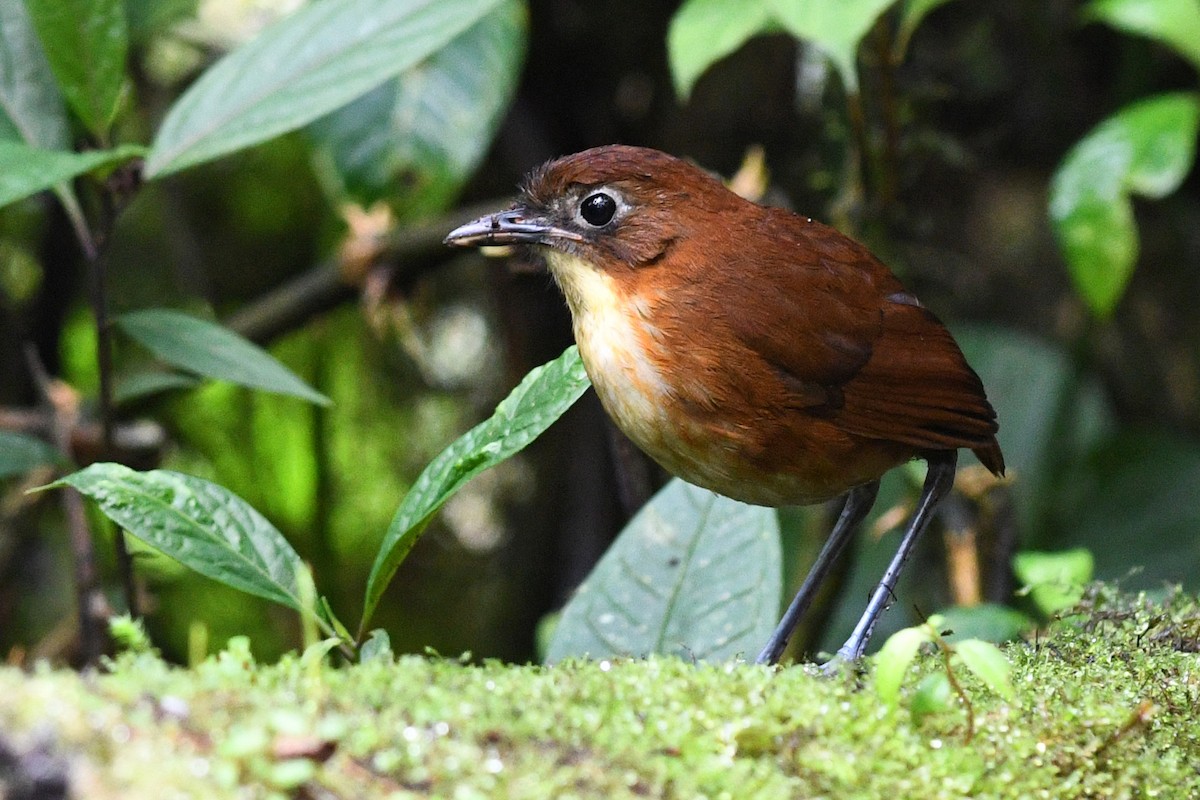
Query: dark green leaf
[[313, 61], [693, 575], [893, 659], [1057, 579], [31, 108], [202, 525], [1175, 23], [148, 382], [1147, 148], [1133, 502], [85, 42], [26, 170], [148, 17], [540, 399], [988, 664], [418, 137], [214, 351], [913, 12], [20, 453]]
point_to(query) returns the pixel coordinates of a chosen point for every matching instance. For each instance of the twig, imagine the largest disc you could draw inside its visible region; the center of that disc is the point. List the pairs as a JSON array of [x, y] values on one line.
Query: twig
[[93, 608]]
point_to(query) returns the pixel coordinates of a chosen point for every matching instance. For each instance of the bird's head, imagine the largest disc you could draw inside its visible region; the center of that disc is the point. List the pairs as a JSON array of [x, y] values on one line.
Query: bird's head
[[615, 208]]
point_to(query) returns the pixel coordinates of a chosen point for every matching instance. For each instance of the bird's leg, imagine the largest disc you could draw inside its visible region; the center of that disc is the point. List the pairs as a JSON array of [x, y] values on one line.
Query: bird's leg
[[938, 482], [858, 502]]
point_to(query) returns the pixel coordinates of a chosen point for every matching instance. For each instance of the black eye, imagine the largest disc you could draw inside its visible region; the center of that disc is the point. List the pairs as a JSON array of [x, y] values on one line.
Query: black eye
[[598, 209]]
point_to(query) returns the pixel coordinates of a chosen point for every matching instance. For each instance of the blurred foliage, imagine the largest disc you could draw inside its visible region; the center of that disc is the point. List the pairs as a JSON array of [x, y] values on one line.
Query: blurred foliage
[[971, 116]]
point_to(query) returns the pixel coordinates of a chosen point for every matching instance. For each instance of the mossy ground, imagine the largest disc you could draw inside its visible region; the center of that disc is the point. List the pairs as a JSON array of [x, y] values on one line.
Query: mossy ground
[[1107, 706]]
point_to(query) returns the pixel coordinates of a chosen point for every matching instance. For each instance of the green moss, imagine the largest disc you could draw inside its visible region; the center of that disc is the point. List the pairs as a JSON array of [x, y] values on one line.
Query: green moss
[[1105, 707]]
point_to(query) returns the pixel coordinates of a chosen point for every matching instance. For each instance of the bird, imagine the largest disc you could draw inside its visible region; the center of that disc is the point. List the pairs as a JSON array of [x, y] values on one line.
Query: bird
[[747, 349]]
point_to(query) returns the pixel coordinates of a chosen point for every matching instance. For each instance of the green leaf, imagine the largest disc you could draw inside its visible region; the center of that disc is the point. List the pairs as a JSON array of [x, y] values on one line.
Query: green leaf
[[1175, 23], [214, 351], [85, 42], [988, 664], [31, 108], [702, 32], [201, 525], [25, 170], [540, 399], [304, 66], [148, 17], [933, 695], [1147, 148], [419, 137], [1133, 502], [911, 16], [1056, 580], [693, 575], [990, 622], [892, 660], [20, 453], [138, 385], [836, 28]]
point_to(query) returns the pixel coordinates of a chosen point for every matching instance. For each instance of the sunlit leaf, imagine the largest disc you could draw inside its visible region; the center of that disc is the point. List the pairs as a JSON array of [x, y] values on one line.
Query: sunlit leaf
[[213, 351], [893, 659], [540, 399], [202, 525], [836, 28], [1175, 23], [1147, 148], [702, 32], [302, 67], [693, 575], [20, 453], [85, 42], [31, 108], [988, 664], [417, 138], [25, 170], [1056, 580]]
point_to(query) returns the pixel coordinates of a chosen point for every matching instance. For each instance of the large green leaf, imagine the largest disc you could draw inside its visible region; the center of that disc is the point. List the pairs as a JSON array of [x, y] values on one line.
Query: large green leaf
[[540, 399], [20, 453], [417, 138], [1175, 23], [31, 109], [313, 61], [1148, 149], [214, 351], [147, 17], [202, 525], [703, 32], [85, 42], [25, 170], [693, 575]]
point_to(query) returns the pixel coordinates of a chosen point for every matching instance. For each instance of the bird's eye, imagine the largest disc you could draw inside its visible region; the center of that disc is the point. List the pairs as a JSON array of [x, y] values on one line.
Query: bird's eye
[[598, 209]]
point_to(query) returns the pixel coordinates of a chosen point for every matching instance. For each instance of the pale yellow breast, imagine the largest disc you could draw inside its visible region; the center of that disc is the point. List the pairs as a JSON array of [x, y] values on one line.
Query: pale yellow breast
[[615, 338]]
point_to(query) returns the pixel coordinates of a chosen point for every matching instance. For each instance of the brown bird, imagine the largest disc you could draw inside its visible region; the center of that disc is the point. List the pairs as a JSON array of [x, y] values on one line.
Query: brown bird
[[749, 350]]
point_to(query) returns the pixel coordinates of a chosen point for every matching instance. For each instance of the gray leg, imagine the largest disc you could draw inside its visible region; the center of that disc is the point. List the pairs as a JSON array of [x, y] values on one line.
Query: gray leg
[[858, 502], [938, 482]]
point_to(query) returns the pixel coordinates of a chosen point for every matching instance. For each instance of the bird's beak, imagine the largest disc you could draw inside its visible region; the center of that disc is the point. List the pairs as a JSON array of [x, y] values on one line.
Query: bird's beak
[[513, 226]]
